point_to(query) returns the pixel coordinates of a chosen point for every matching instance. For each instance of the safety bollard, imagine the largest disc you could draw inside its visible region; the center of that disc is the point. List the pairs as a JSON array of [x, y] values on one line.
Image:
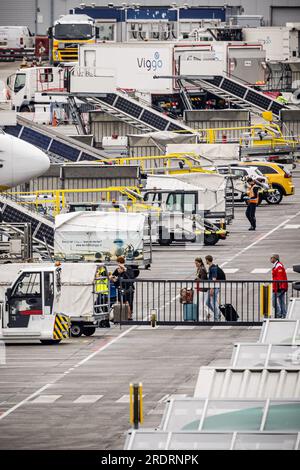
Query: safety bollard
[[265, 300], [136, 404], [153, 318]]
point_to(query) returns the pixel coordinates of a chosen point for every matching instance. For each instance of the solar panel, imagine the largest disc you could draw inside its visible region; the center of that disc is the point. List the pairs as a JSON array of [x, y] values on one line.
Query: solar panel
[[234, 88], [109, 98], [86, 156], [128, 107], [276, 108], [215, 81], [35, 138], [154, 120], [45, 233], [10, 214], [13, 130], [258, 100], [174, 127], [64, 150]]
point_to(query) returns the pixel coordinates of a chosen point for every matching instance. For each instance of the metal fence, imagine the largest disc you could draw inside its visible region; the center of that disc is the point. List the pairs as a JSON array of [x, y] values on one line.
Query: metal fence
[[164, 301]]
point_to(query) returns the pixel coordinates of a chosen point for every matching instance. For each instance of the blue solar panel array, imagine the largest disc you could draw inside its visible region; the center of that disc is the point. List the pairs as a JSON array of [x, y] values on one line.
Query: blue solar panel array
[[138, 112], [48, 143], [256, 98]]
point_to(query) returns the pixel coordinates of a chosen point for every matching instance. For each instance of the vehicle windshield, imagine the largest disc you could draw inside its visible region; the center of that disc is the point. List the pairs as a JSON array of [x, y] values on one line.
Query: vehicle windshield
[[73, 31]]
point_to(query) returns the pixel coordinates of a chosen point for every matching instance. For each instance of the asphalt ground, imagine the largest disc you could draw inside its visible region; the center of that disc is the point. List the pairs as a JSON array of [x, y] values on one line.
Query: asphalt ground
[[75, 395]]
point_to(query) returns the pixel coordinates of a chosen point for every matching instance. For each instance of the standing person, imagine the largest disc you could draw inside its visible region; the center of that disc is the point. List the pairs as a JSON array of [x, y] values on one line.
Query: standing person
[[101, 289], [125, 289], [201, 275], [252, 202], [214, 274], [280, 287]]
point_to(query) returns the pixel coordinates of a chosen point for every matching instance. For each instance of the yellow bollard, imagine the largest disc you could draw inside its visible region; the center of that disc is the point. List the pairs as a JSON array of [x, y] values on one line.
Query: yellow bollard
[[265, 300]]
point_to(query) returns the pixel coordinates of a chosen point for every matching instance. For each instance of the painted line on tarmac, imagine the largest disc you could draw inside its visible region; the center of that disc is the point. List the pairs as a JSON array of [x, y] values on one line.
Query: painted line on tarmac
[[46, 386], [260, 239]]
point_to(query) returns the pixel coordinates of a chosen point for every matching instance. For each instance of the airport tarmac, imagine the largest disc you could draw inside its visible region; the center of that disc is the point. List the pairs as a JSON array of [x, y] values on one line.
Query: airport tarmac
[[75, 395]]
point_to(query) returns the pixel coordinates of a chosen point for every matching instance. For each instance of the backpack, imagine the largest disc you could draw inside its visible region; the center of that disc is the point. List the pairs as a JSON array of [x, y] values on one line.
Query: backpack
[[220, 274]]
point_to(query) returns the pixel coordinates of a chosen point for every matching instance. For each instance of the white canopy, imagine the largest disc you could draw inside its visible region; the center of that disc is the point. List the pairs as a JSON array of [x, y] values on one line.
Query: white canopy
[[100, 235]]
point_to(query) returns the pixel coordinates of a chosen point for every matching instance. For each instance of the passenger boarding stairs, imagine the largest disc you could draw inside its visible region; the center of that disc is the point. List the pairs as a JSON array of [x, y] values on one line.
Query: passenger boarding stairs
[[58, 146], [136, 113], [42, 227], [238, 93]]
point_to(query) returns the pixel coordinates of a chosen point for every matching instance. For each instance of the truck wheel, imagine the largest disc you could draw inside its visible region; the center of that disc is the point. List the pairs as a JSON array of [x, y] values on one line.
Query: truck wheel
[[50, 341], [88, 331], [211, 239], [276, 196], [76, 330], [104, 324]]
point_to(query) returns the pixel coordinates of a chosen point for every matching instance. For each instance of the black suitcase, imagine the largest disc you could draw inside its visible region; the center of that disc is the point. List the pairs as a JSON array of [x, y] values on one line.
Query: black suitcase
[[229, 312]]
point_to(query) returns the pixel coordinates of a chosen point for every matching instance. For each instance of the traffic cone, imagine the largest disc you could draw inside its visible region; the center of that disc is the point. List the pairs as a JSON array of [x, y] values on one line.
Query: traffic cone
[[54, 119]]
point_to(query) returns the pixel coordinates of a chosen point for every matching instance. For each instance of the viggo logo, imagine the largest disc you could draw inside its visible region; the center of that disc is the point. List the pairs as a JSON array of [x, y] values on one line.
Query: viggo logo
[[150, 64]]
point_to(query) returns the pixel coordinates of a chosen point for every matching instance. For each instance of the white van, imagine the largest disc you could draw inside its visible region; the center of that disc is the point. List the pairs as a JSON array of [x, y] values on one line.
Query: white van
[[16, 38]]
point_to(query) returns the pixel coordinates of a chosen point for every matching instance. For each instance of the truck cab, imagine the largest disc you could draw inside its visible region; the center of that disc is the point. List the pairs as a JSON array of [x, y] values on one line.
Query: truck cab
[[68, 33], [27, 85]]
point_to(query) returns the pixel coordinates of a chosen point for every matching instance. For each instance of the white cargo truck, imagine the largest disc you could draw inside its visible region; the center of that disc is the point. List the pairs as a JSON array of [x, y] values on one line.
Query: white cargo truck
[[44, 301], [27, 85], [134, 66]]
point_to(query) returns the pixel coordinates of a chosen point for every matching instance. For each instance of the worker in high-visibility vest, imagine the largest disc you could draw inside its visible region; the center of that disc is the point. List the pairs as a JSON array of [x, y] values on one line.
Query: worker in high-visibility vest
[[252, 202], [102, 289]]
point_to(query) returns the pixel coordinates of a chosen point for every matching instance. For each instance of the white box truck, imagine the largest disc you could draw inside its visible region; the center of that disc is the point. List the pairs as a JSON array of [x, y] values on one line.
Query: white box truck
[[44, 301], [15, 40]]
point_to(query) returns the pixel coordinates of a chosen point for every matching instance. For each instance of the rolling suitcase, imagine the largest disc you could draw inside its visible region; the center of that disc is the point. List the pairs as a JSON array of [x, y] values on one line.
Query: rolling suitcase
[[229, 312], [121, 312], [190, 312]]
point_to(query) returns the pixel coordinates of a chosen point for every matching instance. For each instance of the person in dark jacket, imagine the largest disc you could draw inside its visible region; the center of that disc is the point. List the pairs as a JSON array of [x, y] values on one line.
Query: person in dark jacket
[[252, 202], [201, 277], [125, 289]]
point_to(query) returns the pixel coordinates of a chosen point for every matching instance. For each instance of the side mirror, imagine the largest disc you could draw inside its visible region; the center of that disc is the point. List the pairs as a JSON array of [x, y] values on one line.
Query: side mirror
[[97, 33], [50, 34], [8, 293]]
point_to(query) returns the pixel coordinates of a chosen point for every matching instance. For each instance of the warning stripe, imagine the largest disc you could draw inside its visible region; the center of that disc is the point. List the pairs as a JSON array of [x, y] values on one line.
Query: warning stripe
[[61, 327]]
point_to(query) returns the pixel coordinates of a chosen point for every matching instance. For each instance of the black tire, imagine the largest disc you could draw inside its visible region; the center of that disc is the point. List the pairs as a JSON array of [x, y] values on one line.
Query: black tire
[[76, 330], [211, 239], [88, 331], [27, 109], [276, 196], [165, 241], [48, 342]]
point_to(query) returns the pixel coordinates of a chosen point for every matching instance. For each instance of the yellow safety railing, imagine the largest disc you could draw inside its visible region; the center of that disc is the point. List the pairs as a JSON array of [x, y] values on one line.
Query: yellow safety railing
[[189, 162], [58, 196], [271, 130]]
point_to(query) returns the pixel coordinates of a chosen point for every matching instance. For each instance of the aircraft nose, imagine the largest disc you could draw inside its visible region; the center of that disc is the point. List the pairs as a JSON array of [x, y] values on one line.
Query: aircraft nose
[[29, 161]]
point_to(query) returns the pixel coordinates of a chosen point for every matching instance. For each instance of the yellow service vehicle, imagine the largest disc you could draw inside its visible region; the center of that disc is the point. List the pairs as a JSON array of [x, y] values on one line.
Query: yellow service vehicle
[[68, 33], [280, 179]]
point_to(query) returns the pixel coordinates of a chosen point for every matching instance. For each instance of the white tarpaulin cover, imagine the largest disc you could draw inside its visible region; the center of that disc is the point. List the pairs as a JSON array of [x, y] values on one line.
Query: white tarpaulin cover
[[161, 139], [216, 153], [76, 298], [101, 236], [211, 188]]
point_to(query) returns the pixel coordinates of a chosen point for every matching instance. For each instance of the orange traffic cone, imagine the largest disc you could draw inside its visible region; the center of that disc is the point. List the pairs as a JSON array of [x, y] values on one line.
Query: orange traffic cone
[[54, 119]]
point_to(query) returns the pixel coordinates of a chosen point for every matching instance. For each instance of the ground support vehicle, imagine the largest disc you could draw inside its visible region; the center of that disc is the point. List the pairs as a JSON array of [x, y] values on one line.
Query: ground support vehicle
[[46, 301]]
